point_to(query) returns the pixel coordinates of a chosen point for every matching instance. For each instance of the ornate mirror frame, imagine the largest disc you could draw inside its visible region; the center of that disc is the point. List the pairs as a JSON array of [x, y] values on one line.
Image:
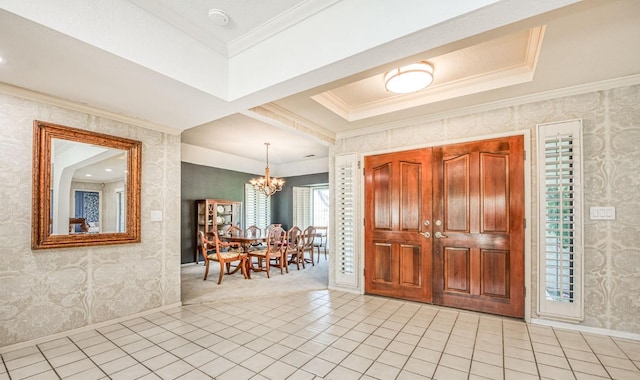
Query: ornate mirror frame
[[41, 236]]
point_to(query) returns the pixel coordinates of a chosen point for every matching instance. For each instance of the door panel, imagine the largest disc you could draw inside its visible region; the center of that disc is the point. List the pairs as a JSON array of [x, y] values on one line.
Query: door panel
[[472, 195], [398, 195], [478, 193]]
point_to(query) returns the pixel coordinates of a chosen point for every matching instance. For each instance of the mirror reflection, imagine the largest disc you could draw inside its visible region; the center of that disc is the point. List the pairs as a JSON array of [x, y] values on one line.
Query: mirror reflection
[[88, 188]]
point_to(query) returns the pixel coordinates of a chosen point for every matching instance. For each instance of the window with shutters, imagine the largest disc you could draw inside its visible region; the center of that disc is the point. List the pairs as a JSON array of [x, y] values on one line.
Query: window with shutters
[[302, 211], [346, 227], [257, 208], [560, 248], [311, 206]]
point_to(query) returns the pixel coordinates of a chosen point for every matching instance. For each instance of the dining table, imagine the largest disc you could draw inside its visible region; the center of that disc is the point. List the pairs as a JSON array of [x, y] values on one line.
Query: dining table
[[245, 242]]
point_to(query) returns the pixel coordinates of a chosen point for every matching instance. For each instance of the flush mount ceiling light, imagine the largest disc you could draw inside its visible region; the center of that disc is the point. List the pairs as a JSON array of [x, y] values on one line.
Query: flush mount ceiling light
[[410, 78]]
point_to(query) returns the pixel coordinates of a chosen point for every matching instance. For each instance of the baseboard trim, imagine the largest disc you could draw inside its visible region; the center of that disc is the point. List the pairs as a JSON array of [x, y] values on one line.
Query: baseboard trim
[[82, 329], [585, 329]]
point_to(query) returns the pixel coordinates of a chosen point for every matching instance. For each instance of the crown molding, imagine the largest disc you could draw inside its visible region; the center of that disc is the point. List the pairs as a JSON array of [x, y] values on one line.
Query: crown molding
[[58, 102], [490, 106], [494, 78], [272, 113], [276, 25]]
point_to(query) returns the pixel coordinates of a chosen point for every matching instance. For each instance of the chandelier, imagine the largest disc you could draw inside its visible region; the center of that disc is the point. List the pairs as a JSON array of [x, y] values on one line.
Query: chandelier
[[266, 184]]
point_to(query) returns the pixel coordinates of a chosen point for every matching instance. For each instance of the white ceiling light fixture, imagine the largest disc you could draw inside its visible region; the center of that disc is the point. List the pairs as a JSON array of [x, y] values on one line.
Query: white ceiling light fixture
[[266, 184], [410, 78]]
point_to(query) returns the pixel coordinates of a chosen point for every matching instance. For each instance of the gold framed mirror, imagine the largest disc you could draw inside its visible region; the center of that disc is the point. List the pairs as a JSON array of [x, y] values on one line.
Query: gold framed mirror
[[86, 188]]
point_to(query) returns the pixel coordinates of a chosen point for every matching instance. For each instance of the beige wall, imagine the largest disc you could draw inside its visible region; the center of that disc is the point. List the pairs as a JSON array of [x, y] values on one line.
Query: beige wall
[[611, 120], [48, 291]]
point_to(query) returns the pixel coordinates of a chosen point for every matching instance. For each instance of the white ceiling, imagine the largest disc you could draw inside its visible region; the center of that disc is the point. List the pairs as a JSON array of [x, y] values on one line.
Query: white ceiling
[[298, 73]]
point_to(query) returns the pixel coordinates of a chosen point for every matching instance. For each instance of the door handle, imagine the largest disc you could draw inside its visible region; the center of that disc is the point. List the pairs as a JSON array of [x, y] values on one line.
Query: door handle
[[426, 234], [440, 235]]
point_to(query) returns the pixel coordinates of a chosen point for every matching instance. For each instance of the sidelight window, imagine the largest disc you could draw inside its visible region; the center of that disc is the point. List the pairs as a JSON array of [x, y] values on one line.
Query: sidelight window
[[345, 219], [560, 248]]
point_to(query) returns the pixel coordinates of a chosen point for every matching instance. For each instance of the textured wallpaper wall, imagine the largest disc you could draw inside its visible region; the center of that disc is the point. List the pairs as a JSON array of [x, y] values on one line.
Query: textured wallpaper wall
[[611, 120], [48, 291]]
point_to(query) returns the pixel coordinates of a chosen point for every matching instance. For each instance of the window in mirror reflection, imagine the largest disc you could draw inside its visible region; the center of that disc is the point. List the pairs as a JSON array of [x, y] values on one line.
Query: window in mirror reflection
[[88, 188]]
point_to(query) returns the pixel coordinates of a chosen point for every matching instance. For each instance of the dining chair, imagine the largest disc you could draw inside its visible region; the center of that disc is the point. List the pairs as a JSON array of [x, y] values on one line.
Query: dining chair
[[253, 232], [292, 249], [225, 253], [308, 240], [234, 231], [321, 241], [273, 250]]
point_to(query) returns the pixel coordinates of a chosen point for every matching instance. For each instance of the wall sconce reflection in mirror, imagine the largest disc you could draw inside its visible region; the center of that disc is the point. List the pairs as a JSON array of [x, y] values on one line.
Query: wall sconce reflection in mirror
[[86, 188]]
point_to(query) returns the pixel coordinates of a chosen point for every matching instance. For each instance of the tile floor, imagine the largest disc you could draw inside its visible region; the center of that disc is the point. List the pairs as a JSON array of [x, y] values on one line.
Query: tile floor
[[324, 334]]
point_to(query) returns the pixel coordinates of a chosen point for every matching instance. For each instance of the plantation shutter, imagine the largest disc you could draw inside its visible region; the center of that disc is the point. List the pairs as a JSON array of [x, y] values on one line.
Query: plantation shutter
[[302, 207], [258, 208], [560, 204], [346, 220]]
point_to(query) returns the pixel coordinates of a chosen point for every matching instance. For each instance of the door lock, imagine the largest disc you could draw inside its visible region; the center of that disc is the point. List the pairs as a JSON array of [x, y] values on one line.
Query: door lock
[[440, 235], [426, 234]]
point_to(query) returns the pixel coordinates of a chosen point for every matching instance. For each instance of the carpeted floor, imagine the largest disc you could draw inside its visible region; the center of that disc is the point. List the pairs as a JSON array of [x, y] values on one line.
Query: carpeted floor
[[196, 291]]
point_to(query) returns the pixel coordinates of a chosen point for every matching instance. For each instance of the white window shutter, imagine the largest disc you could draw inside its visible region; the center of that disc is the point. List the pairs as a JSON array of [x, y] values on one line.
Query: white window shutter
[[346, 225], [257, 209], [302, 207], [560, 242]]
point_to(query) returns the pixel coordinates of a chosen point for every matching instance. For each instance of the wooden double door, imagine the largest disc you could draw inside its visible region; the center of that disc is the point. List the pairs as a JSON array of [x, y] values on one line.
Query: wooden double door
[[445, 225]]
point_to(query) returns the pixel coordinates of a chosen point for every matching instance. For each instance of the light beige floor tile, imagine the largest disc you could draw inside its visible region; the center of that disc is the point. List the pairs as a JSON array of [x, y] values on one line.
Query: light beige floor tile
[[426, 355], [623, 374], [23, 361], [420, 367], [446, 373], [343, 373], [318, 367], [195, 375], [357, 363], [47, 375], [333, 355], [382, 371], [174, 370], [520, 365], [487, 371], [217, 366], [93, 373], [75, 367], [29, 370], [510, 374], [592, 368], [552, 360], [612, 361], [278, 370], [159, 361], [134, 372], [260, 361], [393, 359], [554, 372], [455, 362], [118, 364]]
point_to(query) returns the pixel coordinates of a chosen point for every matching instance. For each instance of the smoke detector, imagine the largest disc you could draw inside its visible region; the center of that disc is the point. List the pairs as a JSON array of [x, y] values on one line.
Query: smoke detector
[[219, 17]]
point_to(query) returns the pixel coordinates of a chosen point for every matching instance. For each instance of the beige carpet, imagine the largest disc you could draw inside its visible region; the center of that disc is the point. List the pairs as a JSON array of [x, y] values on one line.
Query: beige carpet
[[235, 286]]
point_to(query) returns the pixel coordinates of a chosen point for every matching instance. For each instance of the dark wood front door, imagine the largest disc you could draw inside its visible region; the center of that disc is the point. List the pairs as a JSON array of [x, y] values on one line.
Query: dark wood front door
[[472, 197], [479, 212], [398, 199]]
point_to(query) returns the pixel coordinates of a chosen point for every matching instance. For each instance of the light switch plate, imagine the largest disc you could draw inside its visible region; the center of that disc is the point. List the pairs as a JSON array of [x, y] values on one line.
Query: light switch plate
[[602, 213], [156, 216]]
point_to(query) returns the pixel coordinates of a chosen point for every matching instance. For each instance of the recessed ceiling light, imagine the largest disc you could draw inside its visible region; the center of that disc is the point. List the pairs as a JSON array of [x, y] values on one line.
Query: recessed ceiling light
[[108, 170], [87, 175], [3, 60], [219, 17]]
